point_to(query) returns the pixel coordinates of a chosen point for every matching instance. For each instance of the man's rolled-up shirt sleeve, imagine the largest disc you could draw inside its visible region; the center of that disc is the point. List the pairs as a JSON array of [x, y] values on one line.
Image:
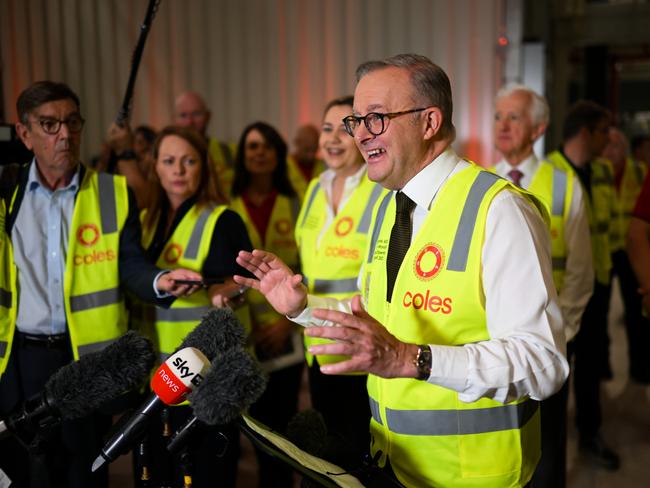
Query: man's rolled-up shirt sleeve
[[526, 352]]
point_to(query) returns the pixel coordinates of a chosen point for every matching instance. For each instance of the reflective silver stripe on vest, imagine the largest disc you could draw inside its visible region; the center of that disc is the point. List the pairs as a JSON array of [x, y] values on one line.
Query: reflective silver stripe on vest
[[559, 264], [107, 204], [295, 208], [181, 314], [79, 303], [460, 422], [312, 195], [559, 191], [94, 347], [3, 348], [364, 224], [381, 213], [346, 285], [227, 155], [460, 250], [192, 250], [5, 298], [374, 410]]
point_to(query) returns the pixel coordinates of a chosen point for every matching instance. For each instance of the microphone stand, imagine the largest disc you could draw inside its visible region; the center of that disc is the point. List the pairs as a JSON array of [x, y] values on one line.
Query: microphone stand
[[142, 462], [186, 467]]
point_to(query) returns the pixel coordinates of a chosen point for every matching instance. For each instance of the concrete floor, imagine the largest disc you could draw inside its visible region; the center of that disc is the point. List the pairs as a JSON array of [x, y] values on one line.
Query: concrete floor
[[626, 428]]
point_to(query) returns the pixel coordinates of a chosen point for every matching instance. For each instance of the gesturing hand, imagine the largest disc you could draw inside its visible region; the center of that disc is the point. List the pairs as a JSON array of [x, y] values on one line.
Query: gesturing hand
[[370, 346], [282, 288]]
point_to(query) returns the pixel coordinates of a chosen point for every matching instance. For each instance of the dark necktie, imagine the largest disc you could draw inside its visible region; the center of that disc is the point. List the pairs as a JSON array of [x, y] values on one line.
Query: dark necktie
[[400, 240], [516, 176]]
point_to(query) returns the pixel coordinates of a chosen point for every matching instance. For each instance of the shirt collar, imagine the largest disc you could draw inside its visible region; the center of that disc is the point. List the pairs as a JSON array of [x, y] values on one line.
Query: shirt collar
[[528, 166], [422, 188], [34, 180], [327, 176]]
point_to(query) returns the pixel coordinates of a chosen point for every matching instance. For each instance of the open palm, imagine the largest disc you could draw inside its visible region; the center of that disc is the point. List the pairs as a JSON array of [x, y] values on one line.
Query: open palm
[[282, 288]]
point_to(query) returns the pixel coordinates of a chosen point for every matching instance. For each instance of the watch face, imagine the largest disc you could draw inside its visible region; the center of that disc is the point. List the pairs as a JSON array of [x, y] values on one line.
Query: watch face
[[423, 362]]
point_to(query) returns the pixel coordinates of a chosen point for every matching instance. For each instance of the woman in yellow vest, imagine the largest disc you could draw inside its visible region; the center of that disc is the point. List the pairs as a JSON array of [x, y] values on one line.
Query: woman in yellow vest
[[332, 233], [185, 224], [264, 197]]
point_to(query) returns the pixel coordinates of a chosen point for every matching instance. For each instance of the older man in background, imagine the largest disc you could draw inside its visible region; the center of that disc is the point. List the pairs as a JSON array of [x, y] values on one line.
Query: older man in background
[[521, 117]]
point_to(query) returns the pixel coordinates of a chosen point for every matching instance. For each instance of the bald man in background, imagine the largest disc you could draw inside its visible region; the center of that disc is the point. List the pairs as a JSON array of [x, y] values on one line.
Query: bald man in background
[[303, 164], [190, 110]]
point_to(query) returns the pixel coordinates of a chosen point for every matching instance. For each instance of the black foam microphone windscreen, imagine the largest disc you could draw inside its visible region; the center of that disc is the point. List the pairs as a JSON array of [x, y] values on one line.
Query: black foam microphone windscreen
[[308, 431], [83, 386], [218, 332], [234, 382]]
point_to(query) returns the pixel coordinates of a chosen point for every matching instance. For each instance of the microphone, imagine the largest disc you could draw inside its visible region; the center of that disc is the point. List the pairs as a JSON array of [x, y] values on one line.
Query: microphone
[[234, 382], [308, 431], [171, 383], [218, 332], [83, 386]]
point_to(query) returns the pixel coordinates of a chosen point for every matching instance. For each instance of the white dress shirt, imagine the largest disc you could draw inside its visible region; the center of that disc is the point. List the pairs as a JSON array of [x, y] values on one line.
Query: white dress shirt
[[578, 282], [352, 182], [526, 352]]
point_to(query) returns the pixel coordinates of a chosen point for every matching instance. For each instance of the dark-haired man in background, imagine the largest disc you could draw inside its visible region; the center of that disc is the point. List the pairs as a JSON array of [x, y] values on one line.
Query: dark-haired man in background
[[584, 136], [71, 242]]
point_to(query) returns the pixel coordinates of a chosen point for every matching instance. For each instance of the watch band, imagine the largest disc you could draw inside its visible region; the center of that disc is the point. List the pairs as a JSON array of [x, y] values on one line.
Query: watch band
[[423, 361]]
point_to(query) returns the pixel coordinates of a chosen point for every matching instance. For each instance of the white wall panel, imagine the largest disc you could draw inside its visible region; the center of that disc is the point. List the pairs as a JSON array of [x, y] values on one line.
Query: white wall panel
[[273, 60]]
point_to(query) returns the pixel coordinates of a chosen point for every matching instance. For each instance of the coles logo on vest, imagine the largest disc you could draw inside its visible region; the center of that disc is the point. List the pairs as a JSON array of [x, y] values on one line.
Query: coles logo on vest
[[88, 236], [344, 226], [428, 263], [173, 253]]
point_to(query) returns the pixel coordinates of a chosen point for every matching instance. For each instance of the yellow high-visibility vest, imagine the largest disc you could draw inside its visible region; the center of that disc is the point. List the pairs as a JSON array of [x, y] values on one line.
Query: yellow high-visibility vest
[[554, 187], [625, 198], [431, 437], [188, 248], [600, 210], [94, 304], [222, 155], [331, 267], [279, 240], [297, 177]]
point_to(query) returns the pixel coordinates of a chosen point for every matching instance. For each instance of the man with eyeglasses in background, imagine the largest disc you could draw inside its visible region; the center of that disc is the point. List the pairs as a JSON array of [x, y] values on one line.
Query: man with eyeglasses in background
[[70, 241], [458, 324]]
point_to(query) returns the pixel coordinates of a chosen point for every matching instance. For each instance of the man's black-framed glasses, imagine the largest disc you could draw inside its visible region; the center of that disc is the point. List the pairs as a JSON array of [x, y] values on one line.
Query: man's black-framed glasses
[[374, 121], [52, 126]]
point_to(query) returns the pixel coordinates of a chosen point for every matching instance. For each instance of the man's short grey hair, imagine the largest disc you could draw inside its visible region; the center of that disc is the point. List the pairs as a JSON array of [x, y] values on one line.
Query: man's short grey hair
[[430, 83], [538, 108]]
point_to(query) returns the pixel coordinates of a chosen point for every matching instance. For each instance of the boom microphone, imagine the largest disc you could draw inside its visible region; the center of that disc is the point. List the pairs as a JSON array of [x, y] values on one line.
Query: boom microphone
[[170, 384], [83, 386], [234, 382]]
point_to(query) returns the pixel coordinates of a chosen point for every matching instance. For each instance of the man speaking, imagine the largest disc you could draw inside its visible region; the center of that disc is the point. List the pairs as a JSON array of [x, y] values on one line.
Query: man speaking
[[459, 330]]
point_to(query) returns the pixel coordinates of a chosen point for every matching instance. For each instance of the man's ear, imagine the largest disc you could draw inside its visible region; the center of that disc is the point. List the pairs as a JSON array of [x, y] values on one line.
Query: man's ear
[[539, 131], [433, 118], [25, 135]]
